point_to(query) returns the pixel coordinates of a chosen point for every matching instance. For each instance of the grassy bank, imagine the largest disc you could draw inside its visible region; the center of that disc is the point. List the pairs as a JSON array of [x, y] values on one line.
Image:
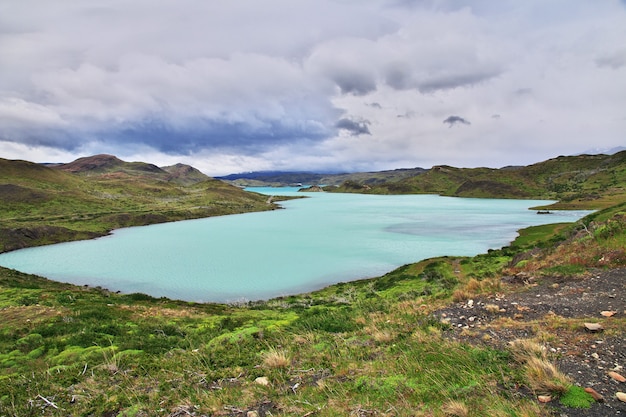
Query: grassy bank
[[369, 347], [40, 205], [363, 348]]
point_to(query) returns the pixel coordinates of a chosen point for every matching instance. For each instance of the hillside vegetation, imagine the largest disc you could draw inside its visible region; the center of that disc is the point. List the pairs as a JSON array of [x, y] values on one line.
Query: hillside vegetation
[[366, 348], [91, 196], [387, 346], [584, 181]]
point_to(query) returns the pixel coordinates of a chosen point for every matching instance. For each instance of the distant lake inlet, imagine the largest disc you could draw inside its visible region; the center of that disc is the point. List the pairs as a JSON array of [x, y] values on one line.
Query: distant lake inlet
[[314, 242]]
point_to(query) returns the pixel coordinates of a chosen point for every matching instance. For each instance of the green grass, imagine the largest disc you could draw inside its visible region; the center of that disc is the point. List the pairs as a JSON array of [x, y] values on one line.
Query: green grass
[[40, 205], [576, 182], [115, 353], [369, 347], [576, 397], [360, 347]]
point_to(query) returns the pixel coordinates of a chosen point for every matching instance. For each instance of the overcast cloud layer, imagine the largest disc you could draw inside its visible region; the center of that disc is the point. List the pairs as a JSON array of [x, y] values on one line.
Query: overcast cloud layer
[[320, 85]]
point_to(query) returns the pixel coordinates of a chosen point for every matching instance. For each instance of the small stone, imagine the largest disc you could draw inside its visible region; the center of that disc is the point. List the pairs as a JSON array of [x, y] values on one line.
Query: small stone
[[608, 313], [617, 377], [470, 303], [594, 327], [262, 380], [595, 355], [252, 414], [595, 394], [621, 396], [544, 398]]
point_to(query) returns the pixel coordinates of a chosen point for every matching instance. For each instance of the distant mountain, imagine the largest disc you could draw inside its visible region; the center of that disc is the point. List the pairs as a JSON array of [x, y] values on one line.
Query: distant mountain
[[272, 178], [96, 163], [605, 151], [108, 165], [184, 174], [282, 178]]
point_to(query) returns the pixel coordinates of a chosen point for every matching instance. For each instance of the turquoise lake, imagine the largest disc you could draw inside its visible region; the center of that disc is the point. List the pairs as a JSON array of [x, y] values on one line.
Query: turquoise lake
[[313, 242]]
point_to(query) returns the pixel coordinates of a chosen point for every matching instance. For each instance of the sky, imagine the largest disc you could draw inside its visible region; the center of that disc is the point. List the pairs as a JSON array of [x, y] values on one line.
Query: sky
[[312, 85]]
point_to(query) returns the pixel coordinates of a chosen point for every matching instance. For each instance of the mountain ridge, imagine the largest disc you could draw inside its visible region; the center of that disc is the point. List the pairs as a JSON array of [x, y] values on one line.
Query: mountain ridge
[[89, 197]]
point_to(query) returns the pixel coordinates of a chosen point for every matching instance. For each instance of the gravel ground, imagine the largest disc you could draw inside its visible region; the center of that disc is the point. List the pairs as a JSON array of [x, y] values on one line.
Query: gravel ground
[[554, 310]]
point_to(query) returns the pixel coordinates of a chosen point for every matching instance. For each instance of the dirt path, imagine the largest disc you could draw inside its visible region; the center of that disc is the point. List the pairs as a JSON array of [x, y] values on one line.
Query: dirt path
[[554, 311]]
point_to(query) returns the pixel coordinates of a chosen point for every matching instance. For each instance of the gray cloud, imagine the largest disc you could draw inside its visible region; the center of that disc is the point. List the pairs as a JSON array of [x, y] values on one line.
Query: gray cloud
[[455, 80], [355, 127], [189, 79], [355, 83], [523, 91], [615, 60], [454, 120]]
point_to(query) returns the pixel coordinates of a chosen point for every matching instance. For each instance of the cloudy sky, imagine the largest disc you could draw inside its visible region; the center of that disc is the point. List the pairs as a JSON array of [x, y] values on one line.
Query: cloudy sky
[[324, 85]]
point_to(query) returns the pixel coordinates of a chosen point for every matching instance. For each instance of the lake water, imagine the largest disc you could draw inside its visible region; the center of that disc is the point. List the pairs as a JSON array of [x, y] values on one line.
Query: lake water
[[313, 242]]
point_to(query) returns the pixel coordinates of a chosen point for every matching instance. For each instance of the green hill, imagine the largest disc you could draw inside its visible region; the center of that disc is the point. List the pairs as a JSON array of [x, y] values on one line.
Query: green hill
[[589, 181], [91, 196], [428, 339]]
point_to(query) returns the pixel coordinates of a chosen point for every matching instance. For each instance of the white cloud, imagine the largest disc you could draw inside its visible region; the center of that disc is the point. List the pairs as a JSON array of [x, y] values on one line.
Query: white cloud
[[257, 85]]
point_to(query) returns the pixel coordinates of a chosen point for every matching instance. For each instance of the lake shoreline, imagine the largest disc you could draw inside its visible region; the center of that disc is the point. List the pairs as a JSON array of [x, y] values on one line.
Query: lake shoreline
[[384, 233]]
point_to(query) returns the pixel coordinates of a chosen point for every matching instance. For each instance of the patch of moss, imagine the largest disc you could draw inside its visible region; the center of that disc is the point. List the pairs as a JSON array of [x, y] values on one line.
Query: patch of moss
[[576, 397]]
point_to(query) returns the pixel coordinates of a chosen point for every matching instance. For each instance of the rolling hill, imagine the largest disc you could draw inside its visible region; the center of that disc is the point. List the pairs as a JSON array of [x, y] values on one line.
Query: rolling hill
[[589, 181], [93, 195], [500, 334]]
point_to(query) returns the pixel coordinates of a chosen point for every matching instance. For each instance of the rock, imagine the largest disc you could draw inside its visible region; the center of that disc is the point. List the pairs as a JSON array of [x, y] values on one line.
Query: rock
[[617, 377], [595, 394], [621, 396], [544, 398], [608, 313], [594, 327], [252, 414], [262, 380]]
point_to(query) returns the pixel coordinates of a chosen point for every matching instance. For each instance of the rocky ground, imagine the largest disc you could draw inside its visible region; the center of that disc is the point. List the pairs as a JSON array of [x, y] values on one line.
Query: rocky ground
[[554, 311]]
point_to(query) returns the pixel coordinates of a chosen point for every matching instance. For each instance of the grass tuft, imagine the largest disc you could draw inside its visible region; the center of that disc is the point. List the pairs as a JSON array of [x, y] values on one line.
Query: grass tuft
[[276, 359], [455, 409], [544, 377], [541, 374]]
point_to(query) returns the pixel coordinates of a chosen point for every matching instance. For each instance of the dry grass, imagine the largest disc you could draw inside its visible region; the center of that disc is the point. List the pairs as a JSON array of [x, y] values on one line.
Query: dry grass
[[455, 408], [474, 287], [462, 294], [524, 349], [542, 375], [492, 308], [276, 359], [380, 335]]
